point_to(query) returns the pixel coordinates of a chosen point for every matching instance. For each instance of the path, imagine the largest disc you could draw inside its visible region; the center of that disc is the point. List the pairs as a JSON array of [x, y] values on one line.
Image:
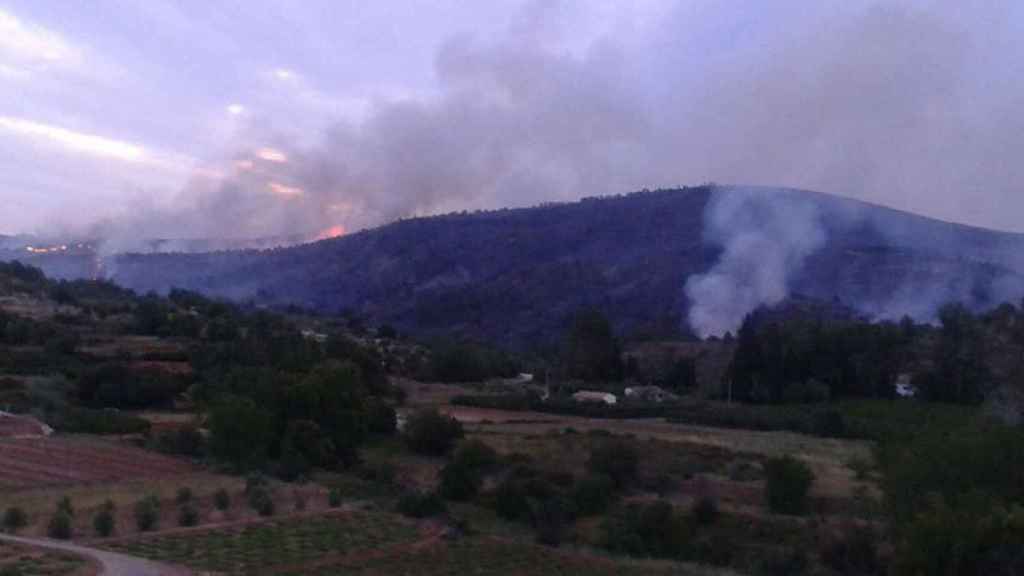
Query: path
[[113, 564]]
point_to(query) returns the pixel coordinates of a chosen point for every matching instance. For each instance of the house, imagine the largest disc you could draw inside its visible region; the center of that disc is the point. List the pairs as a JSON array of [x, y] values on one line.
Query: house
[[592, 396], [314, 336], [904, 387], [649, 394]]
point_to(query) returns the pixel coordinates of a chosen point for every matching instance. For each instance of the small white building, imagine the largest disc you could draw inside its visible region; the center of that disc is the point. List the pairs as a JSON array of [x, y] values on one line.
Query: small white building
[[649, 394], [592, 396], [904, 387]]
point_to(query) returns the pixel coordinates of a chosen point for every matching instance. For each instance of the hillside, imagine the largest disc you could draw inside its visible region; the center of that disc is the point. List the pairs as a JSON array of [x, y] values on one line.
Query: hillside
[[514, 275]]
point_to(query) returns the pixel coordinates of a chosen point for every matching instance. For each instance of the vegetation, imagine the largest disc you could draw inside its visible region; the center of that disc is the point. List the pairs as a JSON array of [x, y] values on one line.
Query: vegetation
[[147, 513], [14, 519], [105, 522], [787, 485], [431, 433]]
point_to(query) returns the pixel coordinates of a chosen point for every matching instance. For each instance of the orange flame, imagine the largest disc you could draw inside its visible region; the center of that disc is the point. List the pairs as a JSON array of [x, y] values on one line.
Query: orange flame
[[332, 232]]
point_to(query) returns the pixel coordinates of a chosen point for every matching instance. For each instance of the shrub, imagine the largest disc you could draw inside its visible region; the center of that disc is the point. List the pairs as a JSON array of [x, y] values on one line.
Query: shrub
[[184, 495], [187, 441], [59, 527], [147, 513], [261, 501], [705, 511], [380, 472], [787, 484], [15, 519], [64, 505], [511, 501], [300, 501], [476, 455], [460, 482], [221, 499], [334, 498], [550, 518], [420, 505], [616, 460], [381, 419], [646, 530], [429, 432], [593, 494], [104, 522], [188, 515], [855, 551]]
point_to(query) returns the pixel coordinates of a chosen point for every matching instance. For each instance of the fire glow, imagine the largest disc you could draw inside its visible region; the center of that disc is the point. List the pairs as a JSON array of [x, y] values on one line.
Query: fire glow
[[285, 191], [332, 232]]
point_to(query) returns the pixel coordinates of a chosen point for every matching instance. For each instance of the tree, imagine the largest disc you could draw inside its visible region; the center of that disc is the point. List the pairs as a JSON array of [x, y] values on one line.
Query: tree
[[240, 432], [432, 433], [104, 522], [592, 351]]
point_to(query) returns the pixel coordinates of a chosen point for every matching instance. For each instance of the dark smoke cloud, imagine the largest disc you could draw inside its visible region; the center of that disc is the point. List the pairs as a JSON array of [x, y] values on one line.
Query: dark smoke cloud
[[909, 107]]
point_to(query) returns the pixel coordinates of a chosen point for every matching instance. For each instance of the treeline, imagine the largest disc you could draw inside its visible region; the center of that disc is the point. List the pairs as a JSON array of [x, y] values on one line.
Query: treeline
[[786, 361]]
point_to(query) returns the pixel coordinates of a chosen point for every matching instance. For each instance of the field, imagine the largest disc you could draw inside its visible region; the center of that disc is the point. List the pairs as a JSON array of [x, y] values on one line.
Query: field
[[485, 556], [275, 546], [25, 561], [30, 463]]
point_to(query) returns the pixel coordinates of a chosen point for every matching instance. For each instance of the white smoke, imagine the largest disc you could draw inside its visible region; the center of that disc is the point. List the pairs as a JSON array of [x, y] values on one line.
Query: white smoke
[[765, 237]]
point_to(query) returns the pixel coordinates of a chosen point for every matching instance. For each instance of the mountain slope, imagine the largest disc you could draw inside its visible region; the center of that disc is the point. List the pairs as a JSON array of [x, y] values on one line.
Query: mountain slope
[[514, 275]]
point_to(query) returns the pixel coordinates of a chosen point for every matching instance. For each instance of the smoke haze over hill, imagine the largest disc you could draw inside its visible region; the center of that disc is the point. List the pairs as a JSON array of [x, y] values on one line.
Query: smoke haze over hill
[[909, 104]]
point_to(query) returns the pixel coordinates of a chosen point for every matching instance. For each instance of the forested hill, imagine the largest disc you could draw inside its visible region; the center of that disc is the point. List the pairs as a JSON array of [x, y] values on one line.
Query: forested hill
[[514, 275]]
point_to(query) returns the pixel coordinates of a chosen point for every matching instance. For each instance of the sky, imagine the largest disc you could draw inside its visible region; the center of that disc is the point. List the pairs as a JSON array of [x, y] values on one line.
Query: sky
[[191, 118]]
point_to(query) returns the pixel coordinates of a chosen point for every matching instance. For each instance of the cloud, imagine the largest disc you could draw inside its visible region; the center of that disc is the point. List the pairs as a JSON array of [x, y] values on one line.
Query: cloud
[[26, 47], [88, 143]]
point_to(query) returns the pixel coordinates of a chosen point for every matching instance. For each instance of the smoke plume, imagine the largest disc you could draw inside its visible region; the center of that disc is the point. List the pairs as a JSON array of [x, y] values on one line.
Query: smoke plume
[[908, 106], [765, 236]]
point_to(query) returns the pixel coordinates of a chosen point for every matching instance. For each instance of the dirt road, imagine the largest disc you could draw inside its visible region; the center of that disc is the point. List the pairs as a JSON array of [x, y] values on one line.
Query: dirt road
[[112, 564]]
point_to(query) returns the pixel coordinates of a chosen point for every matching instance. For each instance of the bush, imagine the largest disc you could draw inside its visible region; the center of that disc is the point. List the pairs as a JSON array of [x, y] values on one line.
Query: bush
[[300, 501], [188, 515], [593, 494], [64, 505], [221, 499], [476, 455], [261, 501], [616, 460], [511, 501], [15, 519], [86, 421], [254, 482], [334, 498], [186, 441], [646, 530], [59, 527], [787, 485], [853, 552], [147, 513], [420, 505], [550, 518], [104, 522], [705, 511], [381, 419], [460, 482], [380, 472], [429, 432], [184, 495]]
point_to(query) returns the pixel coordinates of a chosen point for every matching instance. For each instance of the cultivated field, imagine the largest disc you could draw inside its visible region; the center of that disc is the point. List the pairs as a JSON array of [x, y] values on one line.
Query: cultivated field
[[26, 561], [295, 545], [30, 463]]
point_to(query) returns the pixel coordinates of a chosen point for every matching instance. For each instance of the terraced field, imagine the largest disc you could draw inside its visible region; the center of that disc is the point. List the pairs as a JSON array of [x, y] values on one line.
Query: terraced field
[[286, 546], [30, 463], [484, 556]]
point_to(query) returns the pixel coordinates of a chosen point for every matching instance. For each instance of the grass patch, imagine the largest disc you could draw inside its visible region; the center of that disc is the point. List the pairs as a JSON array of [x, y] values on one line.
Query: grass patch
[[255, 548]]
